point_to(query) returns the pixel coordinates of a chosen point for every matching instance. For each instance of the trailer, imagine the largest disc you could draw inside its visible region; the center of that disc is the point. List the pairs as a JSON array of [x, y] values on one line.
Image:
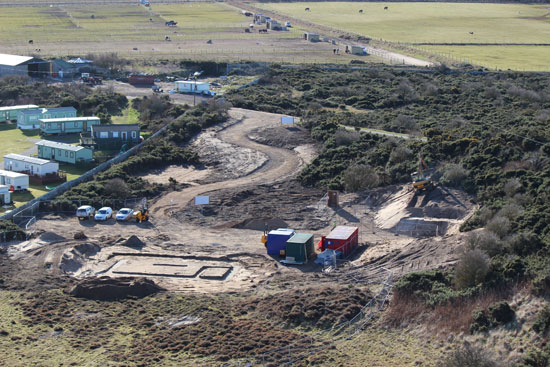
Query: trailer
[[5, 195], [11, 112], [192, 86], [14, 180], [137, 79], [276, 241]]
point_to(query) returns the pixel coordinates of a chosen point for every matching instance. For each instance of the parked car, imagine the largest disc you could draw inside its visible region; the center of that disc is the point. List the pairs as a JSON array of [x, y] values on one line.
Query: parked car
[[124, 214], [85, 212], [104, 213]]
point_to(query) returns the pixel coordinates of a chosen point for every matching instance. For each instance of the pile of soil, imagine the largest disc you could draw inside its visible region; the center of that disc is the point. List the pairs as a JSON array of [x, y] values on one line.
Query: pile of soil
[[288, 202], [259, 224], [108, 289], [51, 237], [282, 137], [72, 260], [314, 306], [134, 242]]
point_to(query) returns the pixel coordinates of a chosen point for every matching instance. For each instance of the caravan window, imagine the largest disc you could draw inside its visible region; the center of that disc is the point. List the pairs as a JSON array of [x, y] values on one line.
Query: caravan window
[[115, 134], [104, 134], [66, 154], [72, 154], [76, 124], [134, 134]]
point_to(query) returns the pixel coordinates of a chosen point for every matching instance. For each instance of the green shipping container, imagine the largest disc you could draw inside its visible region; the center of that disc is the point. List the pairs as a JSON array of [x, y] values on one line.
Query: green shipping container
[[299, 248]]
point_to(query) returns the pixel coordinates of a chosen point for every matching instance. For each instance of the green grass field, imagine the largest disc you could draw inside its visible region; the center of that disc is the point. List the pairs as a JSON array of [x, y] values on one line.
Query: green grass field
[[129, 116], [14, 140], [442, 23]]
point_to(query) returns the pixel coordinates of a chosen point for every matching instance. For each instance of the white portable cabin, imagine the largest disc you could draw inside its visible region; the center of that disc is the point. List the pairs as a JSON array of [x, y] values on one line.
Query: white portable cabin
[[191, 86], [34, 166], [5, 195], [19, 181]]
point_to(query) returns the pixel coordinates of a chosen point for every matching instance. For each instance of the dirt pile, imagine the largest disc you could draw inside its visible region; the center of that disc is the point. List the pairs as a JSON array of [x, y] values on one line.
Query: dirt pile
[[75, 258], [422, 213], [282, 137], [313, 306], [51, 237], [108, 289], [259, 224], [134, 242], [79, 236]]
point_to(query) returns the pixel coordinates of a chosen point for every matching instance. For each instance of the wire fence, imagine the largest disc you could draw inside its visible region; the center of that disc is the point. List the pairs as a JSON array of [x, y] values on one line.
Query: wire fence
[[326, 339]]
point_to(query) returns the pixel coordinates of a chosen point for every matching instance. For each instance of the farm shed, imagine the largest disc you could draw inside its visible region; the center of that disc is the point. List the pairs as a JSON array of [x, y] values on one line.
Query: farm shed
[[62, 69], [259, 18], [23, 65], [30, 119], [5, 195], [312, 37], [67, 125], [11, 113], [341, 238], [274, 25], [19, 181], [191, 86], [62, 152], [358, 50], [276, 240], [115, 136], [138, 79], [299, 248]]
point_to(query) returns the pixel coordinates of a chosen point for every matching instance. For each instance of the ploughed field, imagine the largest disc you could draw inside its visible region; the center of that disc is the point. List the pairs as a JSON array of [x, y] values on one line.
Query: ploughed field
[[136, 31]]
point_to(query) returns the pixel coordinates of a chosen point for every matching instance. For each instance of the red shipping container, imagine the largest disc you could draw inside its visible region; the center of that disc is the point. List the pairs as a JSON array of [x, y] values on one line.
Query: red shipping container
[[142, 79], [342, 238]]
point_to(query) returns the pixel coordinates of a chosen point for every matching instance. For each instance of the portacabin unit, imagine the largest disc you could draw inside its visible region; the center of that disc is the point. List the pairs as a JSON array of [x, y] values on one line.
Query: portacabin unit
[[299, 248], [62, 152], [276, 240], [192, 86], [14, 180], [67, 125], [341, 238]]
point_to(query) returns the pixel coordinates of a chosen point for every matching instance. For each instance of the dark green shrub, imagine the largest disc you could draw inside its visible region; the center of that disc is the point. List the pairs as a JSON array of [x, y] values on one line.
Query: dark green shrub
[[542, 321], [501, 313], [471, 269], [480, 322], [467, 356]]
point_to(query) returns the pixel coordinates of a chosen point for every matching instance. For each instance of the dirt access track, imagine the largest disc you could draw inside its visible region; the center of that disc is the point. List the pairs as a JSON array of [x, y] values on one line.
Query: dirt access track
[[250, 164], [280, 164]]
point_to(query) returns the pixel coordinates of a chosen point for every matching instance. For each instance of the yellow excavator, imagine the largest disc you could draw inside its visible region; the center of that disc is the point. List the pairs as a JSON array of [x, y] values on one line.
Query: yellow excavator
[[422, 179], [141, 215]]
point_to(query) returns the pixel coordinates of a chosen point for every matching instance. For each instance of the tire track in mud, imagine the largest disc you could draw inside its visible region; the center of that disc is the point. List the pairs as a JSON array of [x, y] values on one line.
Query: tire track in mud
[[281, 163]]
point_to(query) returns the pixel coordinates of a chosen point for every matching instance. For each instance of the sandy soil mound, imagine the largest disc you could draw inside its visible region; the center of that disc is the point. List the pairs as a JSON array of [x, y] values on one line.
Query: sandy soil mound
[[259, 224], [423, 213], [282, 137], [134, 242], [78, 256], [51, 237], [107, 289]]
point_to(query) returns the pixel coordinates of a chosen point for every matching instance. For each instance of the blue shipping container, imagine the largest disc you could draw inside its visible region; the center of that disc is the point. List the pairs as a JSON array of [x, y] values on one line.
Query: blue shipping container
[[276, 240]]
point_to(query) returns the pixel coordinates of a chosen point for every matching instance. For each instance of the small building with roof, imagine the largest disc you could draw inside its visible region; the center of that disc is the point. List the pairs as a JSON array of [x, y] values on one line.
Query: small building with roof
[[5, 195], [15, 180], [34, 166], [111, 137], [12, 112], [23, 65], [30, 118], [62, 152], [68, 125]]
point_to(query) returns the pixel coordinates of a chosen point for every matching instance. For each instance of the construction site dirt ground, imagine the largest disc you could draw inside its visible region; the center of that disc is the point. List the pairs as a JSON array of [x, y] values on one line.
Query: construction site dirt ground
[[249, 169]]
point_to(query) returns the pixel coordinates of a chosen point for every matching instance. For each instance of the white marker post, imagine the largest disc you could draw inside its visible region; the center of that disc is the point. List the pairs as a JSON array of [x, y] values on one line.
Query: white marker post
[[287, 120], [202, 200]]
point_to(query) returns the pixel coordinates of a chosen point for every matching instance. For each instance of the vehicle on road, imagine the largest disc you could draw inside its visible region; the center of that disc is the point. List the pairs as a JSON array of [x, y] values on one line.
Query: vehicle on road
[[124, 214], [85, 212], [104, 213]]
